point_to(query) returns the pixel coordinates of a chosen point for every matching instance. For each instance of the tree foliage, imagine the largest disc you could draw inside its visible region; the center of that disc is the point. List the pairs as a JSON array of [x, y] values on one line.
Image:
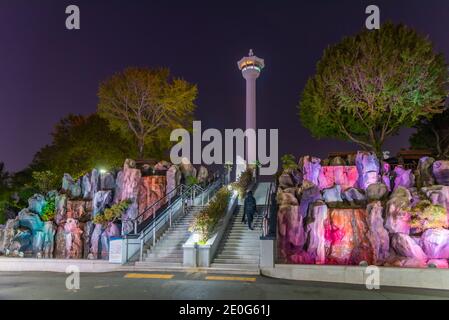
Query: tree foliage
[[433, 135], [144, 105], [370, 85], [79, 144]]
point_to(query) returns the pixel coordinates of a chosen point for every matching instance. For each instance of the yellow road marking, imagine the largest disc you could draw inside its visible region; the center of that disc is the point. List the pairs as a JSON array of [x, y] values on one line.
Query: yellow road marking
[[221, 278], [148, 276]]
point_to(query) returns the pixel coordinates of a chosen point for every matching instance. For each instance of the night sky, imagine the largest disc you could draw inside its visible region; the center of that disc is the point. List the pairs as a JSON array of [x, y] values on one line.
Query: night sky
[[47, 71]]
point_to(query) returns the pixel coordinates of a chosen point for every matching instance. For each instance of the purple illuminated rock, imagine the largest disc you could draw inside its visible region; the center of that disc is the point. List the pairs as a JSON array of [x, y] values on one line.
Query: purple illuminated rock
[[354, 195], [88, 229], [310, 168], [438, 195], [440, 170], [403, 178], [111, 231], [48, 243], [316, 233], [377, 234], [405, 246], [368, 168], [424, 176], [435, 243], [107, 181], [162, 166], [332, 195], [95, 242], [100, 201], [71, 187], [309, 195]]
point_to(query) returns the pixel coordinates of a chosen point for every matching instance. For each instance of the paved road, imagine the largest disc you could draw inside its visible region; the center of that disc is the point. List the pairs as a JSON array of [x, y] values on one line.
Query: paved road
[[121, 285]]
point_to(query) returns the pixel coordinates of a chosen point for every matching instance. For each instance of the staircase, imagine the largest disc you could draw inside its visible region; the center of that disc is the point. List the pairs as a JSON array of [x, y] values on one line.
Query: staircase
[[239, 248], [167, 252]]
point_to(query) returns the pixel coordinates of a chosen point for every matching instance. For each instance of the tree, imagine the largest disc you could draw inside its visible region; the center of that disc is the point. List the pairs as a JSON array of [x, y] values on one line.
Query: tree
[[433, 135], [142, 103], [80, 143], [370, 85]]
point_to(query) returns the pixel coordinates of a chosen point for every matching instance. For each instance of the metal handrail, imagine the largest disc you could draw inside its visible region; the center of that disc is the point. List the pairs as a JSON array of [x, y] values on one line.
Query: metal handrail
[[266, 216], [166, 215]]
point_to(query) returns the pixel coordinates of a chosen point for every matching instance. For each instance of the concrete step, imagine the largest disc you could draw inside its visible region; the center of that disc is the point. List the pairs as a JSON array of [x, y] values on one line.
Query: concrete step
[[238, 256], [237, 261], [155, 264], [166, 260], [254, 267]]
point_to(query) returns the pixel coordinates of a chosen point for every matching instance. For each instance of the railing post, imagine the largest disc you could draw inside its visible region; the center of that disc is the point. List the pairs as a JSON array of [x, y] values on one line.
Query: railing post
[[171, 210], [135, 226], [154, 233], [141, 250]]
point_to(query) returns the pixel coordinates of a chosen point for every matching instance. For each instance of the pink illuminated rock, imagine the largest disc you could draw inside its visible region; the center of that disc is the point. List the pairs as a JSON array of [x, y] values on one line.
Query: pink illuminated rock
[[309, 195], [368, 168], [347, 233], [316, 233], [403, 178], [344, 176], [440, 170], [73, 239], [173, 177], [405, 246], [398, 217], [376, 191], [291, 236], [435, 243], [404, 262], [127, 188], [310, 168], [377, 234], [286, 199], [151, 191]]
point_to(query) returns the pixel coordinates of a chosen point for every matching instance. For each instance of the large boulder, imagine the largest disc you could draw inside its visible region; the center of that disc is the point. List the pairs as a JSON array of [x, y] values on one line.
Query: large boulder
[[95, 242], [316, 232], [8, 234], [310, 168], [73, 239], [405, 246], [48, 243], [347, 233], [286, 199], [377, 234], [173, 177], [107, 181], [290, 231], [151, 191], [101, 200], [310, 193], [61, 208], [354, 196], [111, 231], [30, 220], [428, 216], [435, 243], [332, 195], [398, 217], [285, 181], [60, 245], [440, 170], [403, 178], [424, 176], [88, 229], [368, 168], [127, 188], [79, 209], [36, 203], [344, 176], [71, 187], [438, 195], [162, 166], [376, 191]]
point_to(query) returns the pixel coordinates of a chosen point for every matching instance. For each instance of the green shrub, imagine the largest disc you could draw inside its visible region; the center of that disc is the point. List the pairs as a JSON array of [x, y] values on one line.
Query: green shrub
[[289, 162], [45, 181], [49, 209], [206, 221], [191, 180], [113, 213]]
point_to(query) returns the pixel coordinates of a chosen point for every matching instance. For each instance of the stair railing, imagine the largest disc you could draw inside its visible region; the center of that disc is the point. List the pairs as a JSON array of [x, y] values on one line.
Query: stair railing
[[188, 196], [266, 216]]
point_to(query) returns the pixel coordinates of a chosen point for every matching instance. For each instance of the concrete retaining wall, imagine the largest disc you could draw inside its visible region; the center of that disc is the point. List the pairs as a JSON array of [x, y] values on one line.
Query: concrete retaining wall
[[396, 277], [56, 265]]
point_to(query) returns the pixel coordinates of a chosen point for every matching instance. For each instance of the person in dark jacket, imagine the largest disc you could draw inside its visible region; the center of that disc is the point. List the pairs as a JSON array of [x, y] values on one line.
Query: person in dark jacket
[[249, 209]]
